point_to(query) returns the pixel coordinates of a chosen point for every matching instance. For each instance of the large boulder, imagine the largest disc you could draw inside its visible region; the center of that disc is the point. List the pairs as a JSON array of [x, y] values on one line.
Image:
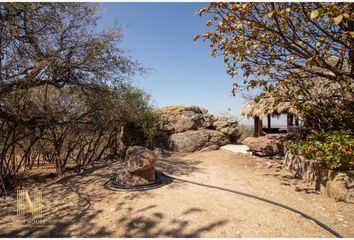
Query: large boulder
[[188, 121], [223, 122], [268, 145], [177, 119], [227, 126], [233, 133], [139, 168], [208, 120], [191, 141], [210, 148], [139, 159], [201, 129]]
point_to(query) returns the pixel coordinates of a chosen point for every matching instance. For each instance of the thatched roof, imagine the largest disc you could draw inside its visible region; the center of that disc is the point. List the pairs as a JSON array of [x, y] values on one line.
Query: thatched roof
[[267, 105]]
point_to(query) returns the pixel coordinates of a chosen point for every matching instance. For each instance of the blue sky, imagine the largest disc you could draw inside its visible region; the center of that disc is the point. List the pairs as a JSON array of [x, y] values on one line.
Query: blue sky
[[160, 35]]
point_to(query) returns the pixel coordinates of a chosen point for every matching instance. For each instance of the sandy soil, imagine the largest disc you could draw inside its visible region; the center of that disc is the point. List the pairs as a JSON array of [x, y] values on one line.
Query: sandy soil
[[80, 205]]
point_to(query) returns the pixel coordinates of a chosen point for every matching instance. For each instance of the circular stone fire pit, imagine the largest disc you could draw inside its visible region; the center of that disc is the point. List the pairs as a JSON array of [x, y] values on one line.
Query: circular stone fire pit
[[138, 172]]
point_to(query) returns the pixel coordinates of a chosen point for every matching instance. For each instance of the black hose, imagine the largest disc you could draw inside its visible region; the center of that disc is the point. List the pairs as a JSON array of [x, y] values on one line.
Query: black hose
[[268, 201], [163, 179]]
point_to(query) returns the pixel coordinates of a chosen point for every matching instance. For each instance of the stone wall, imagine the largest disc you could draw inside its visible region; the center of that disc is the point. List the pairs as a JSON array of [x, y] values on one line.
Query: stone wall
[[335, 184]]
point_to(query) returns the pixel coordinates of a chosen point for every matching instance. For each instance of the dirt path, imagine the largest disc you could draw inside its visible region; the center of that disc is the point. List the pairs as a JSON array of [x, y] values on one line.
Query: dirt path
[[80, 206]]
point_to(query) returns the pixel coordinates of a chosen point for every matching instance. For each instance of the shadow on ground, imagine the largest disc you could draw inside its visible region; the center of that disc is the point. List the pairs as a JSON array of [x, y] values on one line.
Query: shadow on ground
[[288, 179], [154, 224], [178, 166], [79, 205]]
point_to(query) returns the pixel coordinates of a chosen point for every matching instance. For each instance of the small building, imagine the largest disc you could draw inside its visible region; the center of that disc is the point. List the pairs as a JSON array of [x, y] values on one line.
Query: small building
[[266, 105]]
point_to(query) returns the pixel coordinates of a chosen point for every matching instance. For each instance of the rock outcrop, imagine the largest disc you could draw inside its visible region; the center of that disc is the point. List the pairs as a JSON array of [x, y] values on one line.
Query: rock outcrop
[[227, 126], [268, 145], [176, 119], [139, 168], [192, 129], [191, 141]]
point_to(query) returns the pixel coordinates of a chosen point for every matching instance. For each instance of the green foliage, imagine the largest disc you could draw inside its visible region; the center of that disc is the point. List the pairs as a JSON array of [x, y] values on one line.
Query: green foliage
[[328, 114], [141, 119], [335, 149]]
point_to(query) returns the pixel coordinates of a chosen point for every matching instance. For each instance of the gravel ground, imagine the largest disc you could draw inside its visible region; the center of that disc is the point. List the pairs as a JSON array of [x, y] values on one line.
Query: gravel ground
[[80, 206]]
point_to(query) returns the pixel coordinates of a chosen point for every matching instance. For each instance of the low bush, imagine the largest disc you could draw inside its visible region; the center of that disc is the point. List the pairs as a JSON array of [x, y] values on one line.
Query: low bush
[[335, 149]]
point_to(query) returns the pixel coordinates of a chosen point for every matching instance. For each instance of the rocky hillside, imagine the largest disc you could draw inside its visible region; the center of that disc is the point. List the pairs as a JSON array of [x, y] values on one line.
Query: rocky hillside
[[192, 128]]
